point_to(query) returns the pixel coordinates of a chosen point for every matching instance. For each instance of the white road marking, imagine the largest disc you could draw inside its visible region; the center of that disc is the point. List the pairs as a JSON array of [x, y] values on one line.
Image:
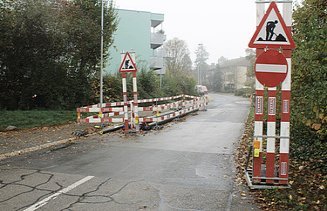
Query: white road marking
[[53, 196]]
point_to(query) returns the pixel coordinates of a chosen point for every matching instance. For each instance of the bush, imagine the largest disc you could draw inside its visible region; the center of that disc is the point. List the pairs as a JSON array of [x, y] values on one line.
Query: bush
[[244, 92]]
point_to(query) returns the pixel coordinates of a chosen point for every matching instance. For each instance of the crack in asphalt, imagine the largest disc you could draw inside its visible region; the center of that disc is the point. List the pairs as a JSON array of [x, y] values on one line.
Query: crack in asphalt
[[22, 177], [32, 188], [85, 195], [81, 198]]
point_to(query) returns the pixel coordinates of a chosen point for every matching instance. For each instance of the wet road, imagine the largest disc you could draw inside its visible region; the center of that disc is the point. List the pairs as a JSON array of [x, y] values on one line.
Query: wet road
[[186, 166]]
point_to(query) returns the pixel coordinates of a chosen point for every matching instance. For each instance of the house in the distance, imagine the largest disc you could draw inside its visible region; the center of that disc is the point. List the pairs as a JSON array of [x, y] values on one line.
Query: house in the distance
[[140, 32], [234, 74]]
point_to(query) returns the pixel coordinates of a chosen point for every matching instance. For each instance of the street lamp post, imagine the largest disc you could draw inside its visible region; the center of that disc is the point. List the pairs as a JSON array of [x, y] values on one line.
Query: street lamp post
[[101, 60]]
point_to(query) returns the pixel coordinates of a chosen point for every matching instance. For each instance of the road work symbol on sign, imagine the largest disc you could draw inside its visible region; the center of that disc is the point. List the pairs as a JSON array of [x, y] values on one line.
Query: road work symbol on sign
[[271, 68], [127, 64], [272, 31]]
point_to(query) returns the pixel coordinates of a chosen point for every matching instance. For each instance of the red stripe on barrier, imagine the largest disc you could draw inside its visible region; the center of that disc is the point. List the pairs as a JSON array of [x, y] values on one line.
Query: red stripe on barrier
[[270, 166]]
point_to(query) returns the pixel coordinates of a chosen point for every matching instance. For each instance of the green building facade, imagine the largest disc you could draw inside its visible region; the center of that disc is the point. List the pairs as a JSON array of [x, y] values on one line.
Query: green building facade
[[140, 32]]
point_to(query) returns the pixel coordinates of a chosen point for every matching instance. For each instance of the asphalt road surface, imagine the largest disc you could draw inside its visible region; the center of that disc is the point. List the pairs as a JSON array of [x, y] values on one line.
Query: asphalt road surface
[[188, 165]]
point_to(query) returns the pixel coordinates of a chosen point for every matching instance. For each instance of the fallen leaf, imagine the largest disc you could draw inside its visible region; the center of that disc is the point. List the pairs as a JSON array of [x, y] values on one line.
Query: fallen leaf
[[243, 194]]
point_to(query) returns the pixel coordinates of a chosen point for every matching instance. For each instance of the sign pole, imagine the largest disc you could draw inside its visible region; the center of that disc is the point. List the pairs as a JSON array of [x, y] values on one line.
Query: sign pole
[[271, 133], [128, 65], [135, 103], [126, 124], [286, 97], [258, 116], [258, 131]]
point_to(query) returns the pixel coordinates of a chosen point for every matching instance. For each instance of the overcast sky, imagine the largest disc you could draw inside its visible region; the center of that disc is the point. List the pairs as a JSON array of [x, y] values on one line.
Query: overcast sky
[[223, 27]]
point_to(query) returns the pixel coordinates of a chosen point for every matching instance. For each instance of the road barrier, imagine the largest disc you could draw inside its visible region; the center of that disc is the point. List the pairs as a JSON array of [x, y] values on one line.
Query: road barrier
[[160, 109], [271, 139], [131, 113]]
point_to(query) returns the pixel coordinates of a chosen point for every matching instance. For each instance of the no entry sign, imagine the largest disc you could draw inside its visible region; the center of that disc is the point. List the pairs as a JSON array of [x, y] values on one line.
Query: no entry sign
[[271, 68]]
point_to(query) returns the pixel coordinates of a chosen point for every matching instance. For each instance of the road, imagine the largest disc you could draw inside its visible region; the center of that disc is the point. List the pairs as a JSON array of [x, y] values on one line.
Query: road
[[188, 165]]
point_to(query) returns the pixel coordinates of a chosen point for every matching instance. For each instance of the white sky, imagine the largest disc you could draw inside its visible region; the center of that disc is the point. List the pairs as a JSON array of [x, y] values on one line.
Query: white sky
[[223, 27]]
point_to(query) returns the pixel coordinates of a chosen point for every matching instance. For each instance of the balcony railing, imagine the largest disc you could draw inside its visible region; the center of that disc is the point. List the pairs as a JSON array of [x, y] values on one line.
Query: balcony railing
[[157, 40], [156, 63]]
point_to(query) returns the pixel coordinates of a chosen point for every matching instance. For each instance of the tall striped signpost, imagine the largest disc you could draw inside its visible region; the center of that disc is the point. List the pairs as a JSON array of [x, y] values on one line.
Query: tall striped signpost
[[273, 42], [128, 65]]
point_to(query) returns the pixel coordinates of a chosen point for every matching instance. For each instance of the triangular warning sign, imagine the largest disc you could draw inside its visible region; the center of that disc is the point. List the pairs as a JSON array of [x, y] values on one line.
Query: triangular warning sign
[[272, 31], [127, 64]]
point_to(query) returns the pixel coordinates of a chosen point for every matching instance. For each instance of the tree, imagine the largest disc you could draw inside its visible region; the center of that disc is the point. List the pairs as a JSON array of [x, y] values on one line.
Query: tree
[[201, 62], [50, 50], [148, 84], [250, 56], [217, 79], [177, 56], [222, 60]]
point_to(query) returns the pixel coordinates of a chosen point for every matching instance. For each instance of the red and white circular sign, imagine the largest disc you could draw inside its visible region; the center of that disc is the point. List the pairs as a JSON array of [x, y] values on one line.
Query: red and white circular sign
[[271, 68]]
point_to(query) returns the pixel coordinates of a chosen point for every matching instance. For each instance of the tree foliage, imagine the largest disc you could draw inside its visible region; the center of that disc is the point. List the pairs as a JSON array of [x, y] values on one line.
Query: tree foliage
[[309, 76], [201, 55], [217, 79], [201, 66], [50, 51], [177, 56], [250, 56]]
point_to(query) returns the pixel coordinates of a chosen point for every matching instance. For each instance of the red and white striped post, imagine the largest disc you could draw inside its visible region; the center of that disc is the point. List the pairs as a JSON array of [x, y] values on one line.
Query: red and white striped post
[[286, 99], [271, 133], [126, 123], [258, 130], [271, 70], [135, 103], [128, 65], [259, 108]]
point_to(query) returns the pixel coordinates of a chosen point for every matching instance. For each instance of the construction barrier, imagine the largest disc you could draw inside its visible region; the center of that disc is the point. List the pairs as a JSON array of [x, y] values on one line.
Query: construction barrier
[[269, 152], [131, 113], [117, 112]]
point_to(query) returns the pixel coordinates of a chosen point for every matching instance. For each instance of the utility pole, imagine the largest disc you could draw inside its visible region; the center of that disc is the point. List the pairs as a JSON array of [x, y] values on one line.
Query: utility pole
[[199, 74], [199, 64], [101, 61]]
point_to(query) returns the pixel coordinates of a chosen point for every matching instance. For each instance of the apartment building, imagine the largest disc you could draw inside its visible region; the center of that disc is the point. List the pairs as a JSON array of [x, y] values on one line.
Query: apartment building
[[140, 32]]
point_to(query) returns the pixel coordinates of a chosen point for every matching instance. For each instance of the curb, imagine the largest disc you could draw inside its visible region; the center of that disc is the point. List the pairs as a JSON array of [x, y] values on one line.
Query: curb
[[32, 149]]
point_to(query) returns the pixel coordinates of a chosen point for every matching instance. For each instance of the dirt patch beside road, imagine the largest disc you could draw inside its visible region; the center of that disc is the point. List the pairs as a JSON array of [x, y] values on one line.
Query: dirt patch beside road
[[18, 140]]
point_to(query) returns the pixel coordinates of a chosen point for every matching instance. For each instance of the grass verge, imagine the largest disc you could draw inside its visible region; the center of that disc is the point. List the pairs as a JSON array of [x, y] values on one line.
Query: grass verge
[[35, 118]]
